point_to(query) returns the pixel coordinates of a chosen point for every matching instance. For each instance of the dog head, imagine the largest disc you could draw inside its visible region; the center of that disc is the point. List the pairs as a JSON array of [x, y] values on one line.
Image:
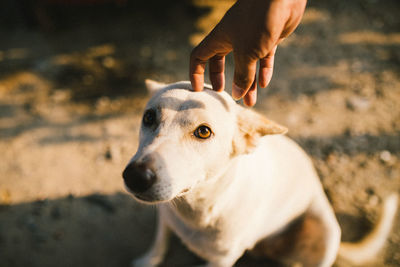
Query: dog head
[[187, 137]]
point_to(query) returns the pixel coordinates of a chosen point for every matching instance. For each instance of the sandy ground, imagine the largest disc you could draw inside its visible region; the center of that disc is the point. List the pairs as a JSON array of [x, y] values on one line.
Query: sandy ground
[[72, 93]]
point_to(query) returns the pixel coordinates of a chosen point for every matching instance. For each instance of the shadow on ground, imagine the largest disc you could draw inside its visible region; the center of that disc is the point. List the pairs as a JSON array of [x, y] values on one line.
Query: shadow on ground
[[111, 230]]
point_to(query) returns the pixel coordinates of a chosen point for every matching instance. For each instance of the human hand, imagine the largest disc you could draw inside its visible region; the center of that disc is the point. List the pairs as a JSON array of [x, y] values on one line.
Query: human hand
[[252, 29]]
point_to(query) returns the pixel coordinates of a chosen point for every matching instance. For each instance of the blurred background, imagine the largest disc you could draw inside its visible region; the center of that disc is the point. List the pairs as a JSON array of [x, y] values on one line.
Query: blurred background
[[72, 94]]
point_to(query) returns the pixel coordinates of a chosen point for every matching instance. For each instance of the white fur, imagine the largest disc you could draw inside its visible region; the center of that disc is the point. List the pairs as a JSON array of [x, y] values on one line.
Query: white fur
[[224, 194]]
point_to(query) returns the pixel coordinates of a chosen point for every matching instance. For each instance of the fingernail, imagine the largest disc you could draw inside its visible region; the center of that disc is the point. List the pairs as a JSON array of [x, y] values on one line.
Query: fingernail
[[237, 92]]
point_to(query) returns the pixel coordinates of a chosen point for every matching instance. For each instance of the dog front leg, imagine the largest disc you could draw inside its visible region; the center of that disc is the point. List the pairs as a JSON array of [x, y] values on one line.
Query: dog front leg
[[322, 208], [157, 252]]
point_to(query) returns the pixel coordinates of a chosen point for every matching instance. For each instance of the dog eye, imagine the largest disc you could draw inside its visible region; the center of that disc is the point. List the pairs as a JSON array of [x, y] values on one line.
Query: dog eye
[[202, 132], [149, 117]]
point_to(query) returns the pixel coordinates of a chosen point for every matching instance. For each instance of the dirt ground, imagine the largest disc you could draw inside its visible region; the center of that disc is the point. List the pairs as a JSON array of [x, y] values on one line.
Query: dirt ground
[[72, 93]]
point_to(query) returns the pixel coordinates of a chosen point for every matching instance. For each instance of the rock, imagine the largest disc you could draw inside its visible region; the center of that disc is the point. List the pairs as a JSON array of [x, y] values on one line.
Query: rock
[[373, 200], [108, 62], [107, 154], [385, 156], [358, 104], [61, 95]]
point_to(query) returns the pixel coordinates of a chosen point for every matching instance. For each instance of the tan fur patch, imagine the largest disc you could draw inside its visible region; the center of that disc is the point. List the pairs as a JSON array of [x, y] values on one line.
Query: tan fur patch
[[301, 241], [251, 127]]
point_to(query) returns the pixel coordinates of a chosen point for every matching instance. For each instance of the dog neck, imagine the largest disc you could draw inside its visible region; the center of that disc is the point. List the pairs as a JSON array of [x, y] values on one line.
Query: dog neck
[[202, 205]]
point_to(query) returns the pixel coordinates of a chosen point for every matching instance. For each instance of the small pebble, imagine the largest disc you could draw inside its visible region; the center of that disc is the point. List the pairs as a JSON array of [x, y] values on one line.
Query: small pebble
[[385, 156], [108, 62], [358, 103], [373, 200], [61, 95], [107, 154]]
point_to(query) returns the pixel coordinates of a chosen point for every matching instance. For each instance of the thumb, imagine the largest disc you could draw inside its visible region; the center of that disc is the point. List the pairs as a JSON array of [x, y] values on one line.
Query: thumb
[[245, 71]]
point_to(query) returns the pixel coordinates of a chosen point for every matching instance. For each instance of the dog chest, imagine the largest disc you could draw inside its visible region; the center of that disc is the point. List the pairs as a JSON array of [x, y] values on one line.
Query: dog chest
[[207, 242]]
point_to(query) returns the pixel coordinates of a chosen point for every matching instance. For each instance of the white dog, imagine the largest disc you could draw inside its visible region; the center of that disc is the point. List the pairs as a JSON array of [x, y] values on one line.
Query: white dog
[[226, 179]]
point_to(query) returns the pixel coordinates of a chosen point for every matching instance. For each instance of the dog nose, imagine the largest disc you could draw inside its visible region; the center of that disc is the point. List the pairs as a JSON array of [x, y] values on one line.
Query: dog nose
[[138, 177]]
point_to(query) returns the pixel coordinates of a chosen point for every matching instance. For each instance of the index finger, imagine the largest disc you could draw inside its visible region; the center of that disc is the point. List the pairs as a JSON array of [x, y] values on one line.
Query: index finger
[[214, 44], [198, 59], [196, 71]]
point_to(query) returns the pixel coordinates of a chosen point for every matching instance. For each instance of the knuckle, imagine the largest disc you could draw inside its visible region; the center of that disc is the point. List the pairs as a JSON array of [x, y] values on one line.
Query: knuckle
[[194, 52], [193, 55]]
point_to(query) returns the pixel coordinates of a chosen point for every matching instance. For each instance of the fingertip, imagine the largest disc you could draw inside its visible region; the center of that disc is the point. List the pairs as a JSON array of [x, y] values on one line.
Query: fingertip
[[265, 76], [197, 87], [196, 74], [261, 82], [250, 98], [197, 82], [266, 68], [237, 92]]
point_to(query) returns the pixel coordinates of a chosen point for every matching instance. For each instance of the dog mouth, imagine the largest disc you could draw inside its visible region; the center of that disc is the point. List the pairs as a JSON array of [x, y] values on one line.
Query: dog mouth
[[183, 192], [144, 198], [154, 200], [150, 198], [141, 197]]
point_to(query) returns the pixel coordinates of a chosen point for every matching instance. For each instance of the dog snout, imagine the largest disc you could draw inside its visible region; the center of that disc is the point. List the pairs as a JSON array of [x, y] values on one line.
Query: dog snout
[[138, 177]]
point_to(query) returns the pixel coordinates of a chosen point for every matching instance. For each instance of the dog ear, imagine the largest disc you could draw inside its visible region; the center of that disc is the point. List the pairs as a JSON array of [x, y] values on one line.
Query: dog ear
[[251, 127], [153, 86]]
